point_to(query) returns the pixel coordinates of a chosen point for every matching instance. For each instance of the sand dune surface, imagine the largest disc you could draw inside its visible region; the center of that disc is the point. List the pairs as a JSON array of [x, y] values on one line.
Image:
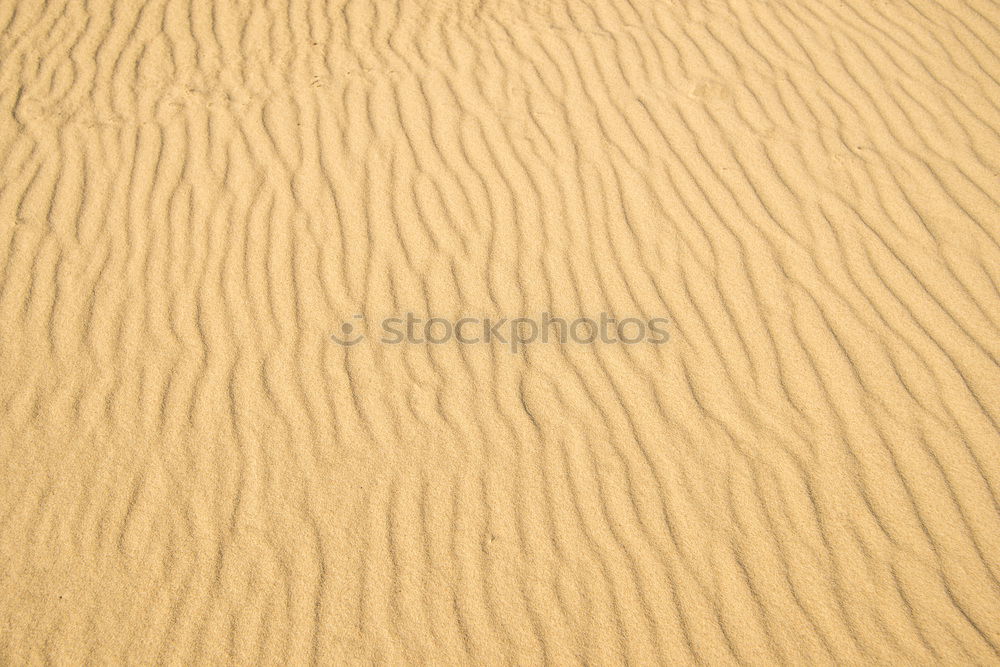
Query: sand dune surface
[[213, 214]]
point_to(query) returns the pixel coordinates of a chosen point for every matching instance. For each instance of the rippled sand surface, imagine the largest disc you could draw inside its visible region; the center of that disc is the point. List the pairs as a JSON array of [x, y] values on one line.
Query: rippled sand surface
[[195, 196]]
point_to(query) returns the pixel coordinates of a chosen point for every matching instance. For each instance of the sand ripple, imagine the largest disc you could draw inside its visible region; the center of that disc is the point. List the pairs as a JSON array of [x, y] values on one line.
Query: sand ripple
[[195, 195]]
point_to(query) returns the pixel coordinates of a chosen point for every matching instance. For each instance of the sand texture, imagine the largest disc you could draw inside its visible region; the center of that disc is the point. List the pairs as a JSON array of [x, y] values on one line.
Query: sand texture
[[195, 196]]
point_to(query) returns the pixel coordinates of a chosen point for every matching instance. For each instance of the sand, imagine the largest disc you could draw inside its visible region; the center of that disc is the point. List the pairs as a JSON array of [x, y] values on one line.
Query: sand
[[195, 197]]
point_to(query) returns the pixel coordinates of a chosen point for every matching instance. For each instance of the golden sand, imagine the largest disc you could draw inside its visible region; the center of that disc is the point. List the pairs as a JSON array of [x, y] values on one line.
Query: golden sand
[[196, 196]]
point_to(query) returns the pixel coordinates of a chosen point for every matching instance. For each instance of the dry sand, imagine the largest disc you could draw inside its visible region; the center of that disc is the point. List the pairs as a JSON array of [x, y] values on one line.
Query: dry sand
[[195, 195]]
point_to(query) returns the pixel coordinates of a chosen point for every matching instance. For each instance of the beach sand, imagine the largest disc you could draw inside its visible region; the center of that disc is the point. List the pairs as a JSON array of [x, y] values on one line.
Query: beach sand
[[195, 197]]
